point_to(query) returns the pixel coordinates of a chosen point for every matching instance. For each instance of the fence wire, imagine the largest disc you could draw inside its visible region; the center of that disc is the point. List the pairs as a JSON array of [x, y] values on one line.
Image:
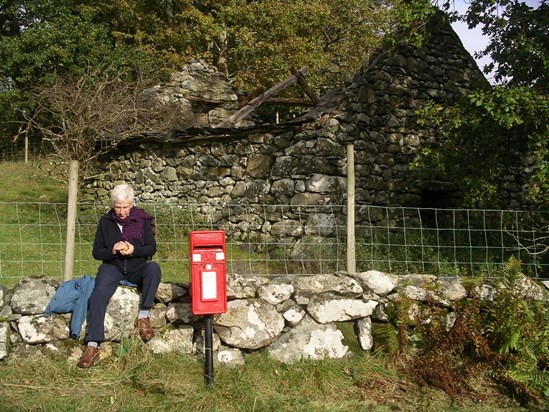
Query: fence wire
[[290, 239]]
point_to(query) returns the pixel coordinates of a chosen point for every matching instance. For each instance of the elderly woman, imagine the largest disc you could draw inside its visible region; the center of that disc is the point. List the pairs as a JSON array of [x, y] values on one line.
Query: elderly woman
[[124, 242]]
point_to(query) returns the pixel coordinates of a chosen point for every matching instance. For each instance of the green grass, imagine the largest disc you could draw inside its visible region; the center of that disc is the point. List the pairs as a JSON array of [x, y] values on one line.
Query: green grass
[[445, 252], [33, 227], [142, 381], [22, 182], [33, 231]]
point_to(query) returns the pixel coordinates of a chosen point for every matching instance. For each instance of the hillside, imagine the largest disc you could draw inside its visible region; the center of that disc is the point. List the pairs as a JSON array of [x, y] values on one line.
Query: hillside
[[20, 182]]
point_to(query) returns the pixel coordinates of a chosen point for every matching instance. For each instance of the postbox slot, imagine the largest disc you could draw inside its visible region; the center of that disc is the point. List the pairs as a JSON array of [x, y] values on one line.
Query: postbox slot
[[210, 254]]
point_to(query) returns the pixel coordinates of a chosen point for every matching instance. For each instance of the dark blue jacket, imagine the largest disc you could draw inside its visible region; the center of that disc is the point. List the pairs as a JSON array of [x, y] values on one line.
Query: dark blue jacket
[[72, 296], [108, 233]]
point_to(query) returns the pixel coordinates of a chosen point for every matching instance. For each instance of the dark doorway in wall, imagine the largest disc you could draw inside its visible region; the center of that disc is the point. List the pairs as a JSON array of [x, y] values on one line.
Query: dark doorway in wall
[[436, 197], [439, 200]]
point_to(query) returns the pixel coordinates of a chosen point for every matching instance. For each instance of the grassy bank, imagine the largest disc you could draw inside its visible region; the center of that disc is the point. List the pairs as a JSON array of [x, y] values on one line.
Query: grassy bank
[[20, 182], [141, 381]]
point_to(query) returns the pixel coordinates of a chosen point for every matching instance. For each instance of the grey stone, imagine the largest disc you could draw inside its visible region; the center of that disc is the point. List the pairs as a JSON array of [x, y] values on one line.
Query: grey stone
[[35, 329], [376, 281], [179, 312], [274, 293], [249, 324], [308, 286], [451, 289], [229, 357], [328, 308], [364, 333], [121, 314], [32, 295], [4, 339], [178, 340], [242, 287], [309, 340], [168, 292]]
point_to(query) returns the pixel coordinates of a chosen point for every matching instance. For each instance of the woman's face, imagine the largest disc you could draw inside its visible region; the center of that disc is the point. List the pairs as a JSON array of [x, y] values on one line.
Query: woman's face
[[122, 209]]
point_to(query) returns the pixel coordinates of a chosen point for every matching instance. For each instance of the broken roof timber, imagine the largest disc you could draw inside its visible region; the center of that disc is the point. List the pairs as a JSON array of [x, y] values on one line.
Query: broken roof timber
[[327, 103]]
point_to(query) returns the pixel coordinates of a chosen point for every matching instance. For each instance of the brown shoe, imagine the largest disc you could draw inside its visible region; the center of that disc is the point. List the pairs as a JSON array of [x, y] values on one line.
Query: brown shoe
[[89, 358], [145, 329]]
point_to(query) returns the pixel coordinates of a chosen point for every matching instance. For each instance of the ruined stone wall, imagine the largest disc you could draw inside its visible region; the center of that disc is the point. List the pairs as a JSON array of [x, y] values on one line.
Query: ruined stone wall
[[306, 165]]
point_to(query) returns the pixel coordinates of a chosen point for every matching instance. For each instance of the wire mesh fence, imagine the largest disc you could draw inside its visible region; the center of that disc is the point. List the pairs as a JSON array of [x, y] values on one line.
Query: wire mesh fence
[[289, 239], [15, 152]]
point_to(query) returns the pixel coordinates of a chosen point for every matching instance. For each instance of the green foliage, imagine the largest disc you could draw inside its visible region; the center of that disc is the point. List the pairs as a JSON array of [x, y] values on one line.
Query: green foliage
[[488, 134], [57, 43], [413, 19], [254, 42], [451, 248], [124, 347], [45, 42], [518, 34], [495, 132], [386, 338], [505, 340], [511, 314], [332, 38], [12, 103], [518, 326]]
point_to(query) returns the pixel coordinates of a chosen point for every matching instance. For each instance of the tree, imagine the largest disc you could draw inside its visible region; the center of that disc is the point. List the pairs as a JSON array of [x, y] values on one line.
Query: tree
[[489, 134], [504, 129], [86, 116], [42, 42], [253, 42], [519, 40]]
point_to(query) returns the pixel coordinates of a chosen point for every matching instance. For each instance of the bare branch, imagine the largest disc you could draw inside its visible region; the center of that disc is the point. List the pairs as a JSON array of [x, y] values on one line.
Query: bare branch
[[86, 117], [534, 247]]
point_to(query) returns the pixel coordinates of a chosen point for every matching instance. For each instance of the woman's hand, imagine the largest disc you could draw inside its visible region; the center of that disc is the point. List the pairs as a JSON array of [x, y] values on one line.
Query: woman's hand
[[123, 247]]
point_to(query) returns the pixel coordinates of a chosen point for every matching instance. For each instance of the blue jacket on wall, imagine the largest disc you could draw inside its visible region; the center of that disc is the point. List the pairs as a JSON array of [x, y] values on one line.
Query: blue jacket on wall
[[72, 296]]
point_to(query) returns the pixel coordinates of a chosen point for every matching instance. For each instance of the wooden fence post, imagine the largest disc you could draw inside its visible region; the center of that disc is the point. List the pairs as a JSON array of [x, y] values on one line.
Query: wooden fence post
[[71, 219], [351, 245]]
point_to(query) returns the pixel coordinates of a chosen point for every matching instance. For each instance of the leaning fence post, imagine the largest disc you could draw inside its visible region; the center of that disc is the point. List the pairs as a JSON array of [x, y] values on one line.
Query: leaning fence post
[[351, 257], [71, 219]]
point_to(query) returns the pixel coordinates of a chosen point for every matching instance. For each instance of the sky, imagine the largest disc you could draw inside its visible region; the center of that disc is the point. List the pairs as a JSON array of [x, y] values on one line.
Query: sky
[[473, 40]]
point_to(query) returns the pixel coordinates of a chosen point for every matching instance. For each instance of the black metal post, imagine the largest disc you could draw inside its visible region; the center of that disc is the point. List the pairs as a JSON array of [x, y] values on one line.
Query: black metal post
[[208, 349]]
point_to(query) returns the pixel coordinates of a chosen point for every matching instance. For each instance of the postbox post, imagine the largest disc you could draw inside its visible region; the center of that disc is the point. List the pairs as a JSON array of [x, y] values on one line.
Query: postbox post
[[208, 285], [208, 350]]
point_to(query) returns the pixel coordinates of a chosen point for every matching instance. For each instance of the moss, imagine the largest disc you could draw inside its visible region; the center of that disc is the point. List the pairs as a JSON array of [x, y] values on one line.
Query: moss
[[349, 335], [385, 337], [469, 283]]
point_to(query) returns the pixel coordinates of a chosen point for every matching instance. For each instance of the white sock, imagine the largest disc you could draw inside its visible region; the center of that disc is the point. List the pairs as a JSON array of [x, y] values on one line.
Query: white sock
[[143, 313], [92, 344]]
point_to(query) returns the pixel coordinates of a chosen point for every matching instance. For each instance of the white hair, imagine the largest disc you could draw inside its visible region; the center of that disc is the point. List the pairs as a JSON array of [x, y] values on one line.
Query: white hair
[[121, 193]]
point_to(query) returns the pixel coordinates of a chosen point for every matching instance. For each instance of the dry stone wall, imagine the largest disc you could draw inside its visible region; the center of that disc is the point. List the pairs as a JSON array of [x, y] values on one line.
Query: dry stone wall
[[292, 318]]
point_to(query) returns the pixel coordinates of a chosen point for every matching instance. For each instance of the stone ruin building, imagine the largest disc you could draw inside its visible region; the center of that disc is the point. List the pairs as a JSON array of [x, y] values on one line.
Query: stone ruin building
[[302, 161]]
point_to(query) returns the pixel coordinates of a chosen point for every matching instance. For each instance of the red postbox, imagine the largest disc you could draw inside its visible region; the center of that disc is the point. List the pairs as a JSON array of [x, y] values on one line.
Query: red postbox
[[208, 272]]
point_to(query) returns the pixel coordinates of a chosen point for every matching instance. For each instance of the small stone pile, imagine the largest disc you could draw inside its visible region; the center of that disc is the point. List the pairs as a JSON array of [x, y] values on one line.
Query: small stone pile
[[200, 94]]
